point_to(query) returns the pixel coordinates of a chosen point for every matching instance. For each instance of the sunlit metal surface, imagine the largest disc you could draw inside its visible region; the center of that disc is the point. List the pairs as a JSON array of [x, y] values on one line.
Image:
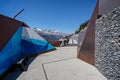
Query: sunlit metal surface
[[86, 46], [86, 51]]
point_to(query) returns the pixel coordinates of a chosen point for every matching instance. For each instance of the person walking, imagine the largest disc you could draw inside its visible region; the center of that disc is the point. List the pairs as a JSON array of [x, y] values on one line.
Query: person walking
[[67, 40]]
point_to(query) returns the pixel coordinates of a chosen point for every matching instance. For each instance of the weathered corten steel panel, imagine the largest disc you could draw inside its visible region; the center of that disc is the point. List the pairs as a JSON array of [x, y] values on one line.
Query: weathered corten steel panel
[[107, 5], [8, 27], [86, 51]]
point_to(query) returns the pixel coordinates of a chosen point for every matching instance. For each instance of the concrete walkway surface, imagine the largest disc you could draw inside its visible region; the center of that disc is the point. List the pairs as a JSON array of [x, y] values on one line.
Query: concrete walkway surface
[[60, 64]]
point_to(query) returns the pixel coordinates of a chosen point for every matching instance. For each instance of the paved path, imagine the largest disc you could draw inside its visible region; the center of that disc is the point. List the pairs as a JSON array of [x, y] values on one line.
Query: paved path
[[60, 64]]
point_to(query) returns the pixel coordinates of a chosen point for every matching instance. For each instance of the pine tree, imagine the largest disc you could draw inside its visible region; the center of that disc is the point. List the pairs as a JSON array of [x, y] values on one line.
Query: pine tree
[[82, 27]]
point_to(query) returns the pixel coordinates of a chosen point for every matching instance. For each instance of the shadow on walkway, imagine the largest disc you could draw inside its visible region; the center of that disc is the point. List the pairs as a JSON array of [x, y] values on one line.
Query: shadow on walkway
[[14, 75]]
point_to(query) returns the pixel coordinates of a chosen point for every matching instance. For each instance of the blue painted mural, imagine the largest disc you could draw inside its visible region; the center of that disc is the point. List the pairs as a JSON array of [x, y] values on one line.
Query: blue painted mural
[[24, 42], [11, 52], [32, 43], [30, 47]]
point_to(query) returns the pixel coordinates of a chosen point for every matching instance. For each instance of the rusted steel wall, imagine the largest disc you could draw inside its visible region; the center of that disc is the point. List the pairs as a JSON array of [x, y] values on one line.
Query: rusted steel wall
[[107, 5], [8, 27], [55, 43], [87, 47]]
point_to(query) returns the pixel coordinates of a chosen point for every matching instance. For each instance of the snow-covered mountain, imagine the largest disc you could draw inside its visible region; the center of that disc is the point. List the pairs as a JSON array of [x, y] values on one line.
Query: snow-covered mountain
[[50, 34]]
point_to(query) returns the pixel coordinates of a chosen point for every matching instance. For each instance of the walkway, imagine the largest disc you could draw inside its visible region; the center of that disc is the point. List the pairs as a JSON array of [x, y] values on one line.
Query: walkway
[[60, 64]]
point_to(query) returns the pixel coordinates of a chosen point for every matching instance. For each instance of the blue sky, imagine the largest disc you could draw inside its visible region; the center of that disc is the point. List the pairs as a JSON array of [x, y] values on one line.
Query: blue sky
[[62, 15]]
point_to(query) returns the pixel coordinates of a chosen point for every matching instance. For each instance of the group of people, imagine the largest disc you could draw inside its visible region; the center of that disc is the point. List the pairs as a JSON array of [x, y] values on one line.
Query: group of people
[[65, 41]]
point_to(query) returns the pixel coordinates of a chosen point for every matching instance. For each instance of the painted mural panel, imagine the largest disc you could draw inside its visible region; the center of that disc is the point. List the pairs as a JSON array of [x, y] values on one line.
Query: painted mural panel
[[11, 52], [33, 43]]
